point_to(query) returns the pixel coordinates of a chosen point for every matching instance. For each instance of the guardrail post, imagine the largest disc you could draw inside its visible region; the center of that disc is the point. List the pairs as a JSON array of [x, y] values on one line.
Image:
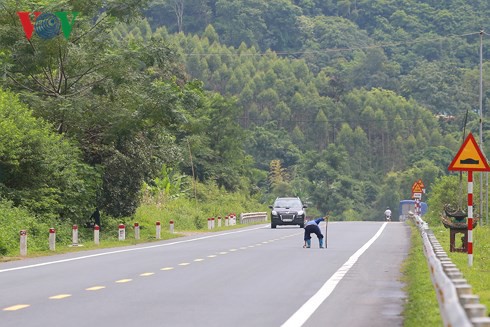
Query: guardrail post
[[23, 243], [172, 226], [475, 310], [122, 232], [136, 231], [158, 229], [96, 234], [74, 235], [52, 239]]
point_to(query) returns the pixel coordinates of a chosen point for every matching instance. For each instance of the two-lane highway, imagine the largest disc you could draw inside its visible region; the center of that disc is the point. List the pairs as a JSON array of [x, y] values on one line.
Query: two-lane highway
[[255, 276]]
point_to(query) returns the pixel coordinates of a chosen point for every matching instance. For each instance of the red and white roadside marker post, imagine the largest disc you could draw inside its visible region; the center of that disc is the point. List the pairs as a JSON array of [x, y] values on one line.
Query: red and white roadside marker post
[[171, 227], [52, 239], [74, 235], [97, 234], [219, 221], [227, 221], [136, 231], [122, 232], [469, 158], [158, 228], [209, 223], [23, 243]]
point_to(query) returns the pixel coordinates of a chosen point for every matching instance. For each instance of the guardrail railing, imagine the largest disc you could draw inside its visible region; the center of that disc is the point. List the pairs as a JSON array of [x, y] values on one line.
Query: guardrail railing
[[457, 305], [252, 217]]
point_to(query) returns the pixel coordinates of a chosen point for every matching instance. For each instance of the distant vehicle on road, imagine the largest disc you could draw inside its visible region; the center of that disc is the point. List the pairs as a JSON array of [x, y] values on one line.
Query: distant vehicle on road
[[288, 211]]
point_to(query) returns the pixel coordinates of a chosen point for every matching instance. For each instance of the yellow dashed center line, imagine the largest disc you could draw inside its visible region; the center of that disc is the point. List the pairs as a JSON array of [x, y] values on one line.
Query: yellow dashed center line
[[17, 307], [59, 296], [122, 281]]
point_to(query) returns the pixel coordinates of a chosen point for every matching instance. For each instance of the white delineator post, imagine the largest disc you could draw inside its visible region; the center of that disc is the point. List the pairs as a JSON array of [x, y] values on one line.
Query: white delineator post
[[97, 234], [136, 231], [74, 235], [219, 221], [212, 223], [209, 223], [52, 239], [122, 232], [227, 221], [158, 228], [171, 226], [23, 243], [470, 218]]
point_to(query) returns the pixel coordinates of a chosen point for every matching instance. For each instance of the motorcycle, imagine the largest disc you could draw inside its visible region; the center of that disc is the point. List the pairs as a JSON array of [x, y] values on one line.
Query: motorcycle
[[388, 217]]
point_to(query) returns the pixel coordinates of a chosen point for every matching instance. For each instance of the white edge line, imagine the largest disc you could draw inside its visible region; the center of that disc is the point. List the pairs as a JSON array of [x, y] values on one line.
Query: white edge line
[[125, 250], [307, 309]]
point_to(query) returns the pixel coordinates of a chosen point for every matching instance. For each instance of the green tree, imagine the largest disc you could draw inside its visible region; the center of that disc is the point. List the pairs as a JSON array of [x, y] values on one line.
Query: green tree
[[40, 170]]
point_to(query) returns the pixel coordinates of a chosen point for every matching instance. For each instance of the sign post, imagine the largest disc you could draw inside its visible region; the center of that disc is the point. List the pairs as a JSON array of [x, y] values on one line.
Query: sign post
[[326, 230], [418, 188], [469, 158]]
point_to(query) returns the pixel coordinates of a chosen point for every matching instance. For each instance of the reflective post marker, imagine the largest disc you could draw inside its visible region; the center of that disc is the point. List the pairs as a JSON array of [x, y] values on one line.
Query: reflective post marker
[[23, 243], [52, 239], [136, 231], [97, 234], [158, 230], [75, 235], [122, 232]]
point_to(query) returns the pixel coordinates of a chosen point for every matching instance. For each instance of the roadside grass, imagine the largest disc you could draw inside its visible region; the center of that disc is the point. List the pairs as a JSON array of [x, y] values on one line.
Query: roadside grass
[[421, 307], [478, 276]]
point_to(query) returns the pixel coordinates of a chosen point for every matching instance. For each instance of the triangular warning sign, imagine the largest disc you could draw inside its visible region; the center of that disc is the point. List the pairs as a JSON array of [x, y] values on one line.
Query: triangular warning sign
[[416, 188], [469, 157]]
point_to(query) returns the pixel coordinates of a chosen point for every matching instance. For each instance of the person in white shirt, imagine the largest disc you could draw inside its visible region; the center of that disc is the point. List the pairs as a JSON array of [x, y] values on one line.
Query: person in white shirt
[[388, 214]]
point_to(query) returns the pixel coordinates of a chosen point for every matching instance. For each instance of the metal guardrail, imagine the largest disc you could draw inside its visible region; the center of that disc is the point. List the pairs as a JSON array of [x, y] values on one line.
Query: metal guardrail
[[252, 217], [457, 305]]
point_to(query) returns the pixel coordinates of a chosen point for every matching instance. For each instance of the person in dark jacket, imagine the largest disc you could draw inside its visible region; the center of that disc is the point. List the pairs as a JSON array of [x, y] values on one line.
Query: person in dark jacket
[[96, 217], [312, 227]]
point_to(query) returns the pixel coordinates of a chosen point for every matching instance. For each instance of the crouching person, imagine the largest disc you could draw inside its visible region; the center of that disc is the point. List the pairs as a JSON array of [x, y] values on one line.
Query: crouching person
[[312, 227]]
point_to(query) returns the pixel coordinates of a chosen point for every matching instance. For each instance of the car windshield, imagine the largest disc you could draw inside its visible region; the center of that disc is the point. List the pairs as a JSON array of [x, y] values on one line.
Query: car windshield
[[288, 203]]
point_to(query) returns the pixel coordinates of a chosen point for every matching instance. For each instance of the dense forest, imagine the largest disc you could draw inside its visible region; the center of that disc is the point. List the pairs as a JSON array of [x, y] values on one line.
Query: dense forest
[[343, 103]]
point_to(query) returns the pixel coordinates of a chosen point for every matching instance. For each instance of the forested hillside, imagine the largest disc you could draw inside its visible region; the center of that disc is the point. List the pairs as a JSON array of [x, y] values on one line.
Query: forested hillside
[[344, 103]]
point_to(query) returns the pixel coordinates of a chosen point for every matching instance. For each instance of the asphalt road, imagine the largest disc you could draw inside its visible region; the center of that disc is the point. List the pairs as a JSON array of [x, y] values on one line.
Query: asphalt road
[[256, 276]]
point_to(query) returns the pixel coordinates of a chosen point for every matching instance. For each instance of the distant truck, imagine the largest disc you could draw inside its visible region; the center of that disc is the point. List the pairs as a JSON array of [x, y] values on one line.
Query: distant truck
[[409, 205]]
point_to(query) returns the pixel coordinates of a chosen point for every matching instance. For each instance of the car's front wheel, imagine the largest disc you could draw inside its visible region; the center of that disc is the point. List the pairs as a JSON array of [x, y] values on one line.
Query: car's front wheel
[[273, 225]]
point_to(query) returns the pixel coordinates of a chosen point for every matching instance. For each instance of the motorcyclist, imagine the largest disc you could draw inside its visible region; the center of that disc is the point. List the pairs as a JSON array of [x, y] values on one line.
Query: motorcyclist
[[388, 214]]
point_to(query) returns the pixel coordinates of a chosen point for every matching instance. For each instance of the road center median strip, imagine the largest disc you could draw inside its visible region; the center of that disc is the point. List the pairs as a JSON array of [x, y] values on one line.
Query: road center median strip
[[305, 312]]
